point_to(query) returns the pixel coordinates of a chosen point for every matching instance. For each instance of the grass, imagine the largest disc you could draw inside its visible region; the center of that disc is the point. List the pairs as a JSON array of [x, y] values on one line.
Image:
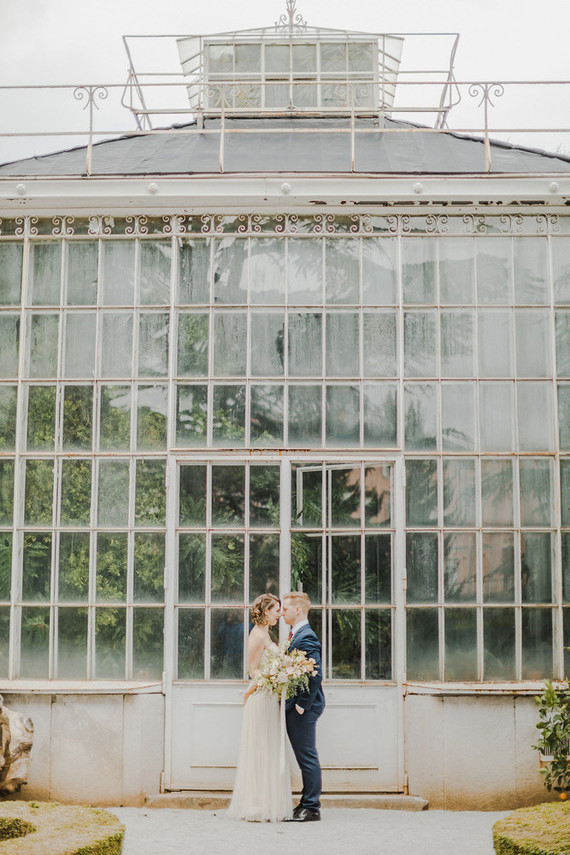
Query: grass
[[540, 830], [48, 828]]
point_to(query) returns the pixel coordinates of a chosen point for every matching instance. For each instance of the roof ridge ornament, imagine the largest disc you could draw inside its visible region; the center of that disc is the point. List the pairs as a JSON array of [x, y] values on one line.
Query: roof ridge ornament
[[291, 21]]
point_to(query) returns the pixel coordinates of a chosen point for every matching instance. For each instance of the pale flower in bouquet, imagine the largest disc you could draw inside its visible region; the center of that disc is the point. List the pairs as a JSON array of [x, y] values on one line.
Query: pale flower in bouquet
[[285, 672]]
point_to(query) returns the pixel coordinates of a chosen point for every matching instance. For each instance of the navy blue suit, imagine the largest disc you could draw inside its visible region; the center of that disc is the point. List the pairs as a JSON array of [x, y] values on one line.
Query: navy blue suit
[[301, 728]]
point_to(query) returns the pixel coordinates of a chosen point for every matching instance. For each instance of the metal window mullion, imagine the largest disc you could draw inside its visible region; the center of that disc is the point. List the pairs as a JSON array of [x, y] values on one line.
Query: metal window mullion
[[172, 349], [128, 605], [362, 572], [208, 591], [285, 517], [246, 538]]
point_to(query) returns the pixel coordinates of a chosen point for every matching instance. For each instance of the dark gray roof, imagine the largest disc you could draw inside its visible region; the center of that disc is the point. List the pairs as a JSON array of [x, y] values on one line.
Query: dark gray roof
[[324, 146]]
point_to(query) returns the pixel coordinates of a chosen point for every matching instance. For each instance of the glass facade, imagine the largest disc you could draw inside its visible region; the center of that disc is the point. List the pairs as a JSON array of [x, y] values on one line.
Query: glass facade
[[212, 350]]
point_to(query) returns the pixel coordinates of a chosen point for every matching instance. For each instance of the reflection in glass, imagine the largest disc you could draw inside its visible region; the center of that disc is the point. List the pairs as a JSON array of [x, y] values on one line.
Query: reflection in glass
[[422, 644], [565, 491], [561, 269], [79, 345], [494, 269], [264, 496], [228, 495], [457, 343], [420, 350], [536, 567], [497, 492], [190, 644], [342, 344], [533, 343], [456, 270], [11, 260], [563, 415], [150, 493], [6, 491], [562, 326], [41, 417], [460, 644], [421, 492], [377, 495], [458, 416], [536, 491], [75, 492], [535, 416], [227, 644], [343, 415], [115, 427], [39, 492], [191, 415], [460, 567], [155, 272], [191, 568], [227, 568], [34, 643], [192, 495], [152, 406], [345, 644], [378, 634], [73, 566], [149, 568], [116, 344], [495, 342], [378, 568], [305, 344], [459, 492], [421, 567], [531, 264], [307, 499], [5, 566], [148, 641], [4, 640], [305, 419], [230, 270], [266, 343], [36, 567], [345, 563], [193, 286], [72, 644], [193, 344], [113, 492], [496, 416], [111, 575], [342, 270], [499, 644], [77, 418], [379, 271], [307, 564], [536, 644], [9, 335], [305, 271], [229, 344], [420, 416], [267, 271], [498, 567], [110, 633], [380, 344], [82, 273], [229, 415], [46, 273], [118, 273], [418, 270], [43, 346], [380, 414], [153, 344], [8, 399], [263, 565], [344, 497], [266, 425]]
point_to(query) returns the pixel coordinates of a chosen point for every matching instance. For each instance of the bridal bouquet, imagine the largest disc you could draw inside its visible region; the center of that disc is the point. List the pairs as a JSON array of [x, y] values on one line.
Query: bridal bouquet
[[285, 672]]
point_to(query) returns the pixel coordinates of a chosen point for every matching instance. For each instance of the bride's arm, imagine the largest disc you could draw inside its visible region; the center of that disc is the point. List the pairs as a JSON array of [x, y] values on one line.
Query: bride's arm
[[255, 647]]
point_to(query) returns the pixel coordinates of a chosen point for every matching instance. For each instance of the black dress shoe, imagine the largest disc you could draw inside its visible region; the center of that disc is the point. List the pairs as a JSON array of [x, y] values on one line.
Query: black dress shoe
[[306, 815], [297, 809]]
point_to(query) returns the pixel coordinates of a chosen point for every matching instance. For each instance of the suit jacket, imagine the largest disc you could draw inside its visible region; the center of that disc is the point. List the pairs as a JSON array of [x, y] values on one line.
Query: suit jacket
[[313, 699]]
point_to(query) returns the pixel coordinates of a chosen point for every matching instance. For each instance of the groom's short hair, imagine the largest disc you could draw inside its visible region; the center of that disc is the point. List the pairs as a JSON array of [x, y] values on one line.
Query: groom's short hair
[[299, 598]]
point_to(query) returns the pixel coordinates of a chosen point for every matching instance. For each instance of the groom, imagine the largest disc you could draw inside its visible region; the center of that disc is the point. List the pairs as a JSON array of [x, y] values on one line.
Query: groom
[[304, 709]]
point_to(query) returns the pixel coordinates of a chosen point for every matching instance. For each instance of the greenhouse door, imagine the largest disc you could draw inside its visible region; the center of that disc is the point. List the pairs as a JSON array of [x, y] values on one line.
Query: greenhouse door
[[244, 526]]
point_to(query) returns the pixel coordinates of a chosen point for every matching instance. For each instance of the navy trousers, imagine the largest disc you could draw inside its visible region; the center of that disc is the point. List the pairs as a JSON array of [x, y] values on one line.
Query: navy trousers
[[302, 730]]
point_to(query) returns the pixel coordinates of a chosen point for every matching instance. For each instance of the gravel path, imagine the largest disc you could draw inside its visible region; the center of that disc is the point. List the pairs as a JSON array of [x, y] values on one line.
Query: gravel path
[[341, 832]]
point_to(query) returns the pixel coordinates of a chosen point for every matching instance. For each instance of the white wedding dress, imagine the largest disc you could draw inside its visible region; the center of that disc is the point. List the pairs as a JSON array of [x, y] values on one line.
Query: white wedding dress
[[262, 791]]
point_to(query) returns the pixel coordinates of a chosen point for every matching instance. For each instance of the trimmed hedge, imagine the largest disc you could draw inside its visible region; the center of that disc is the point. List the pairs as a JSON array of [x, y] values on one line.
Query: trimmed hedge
[[540, 830], [48, 828]]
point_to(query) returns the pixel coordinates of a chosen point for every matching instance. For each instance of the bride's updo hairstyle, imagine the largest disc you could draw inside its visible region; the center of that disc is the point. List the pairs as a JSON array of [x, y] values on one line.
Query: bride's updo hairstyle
[[260, 605]]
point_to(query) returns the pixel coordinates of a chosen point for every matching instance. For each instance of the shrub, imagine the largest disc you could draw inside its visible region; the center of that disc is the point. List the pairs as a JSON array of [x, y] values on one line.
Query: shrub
[[47, 828], [554, 742], [540, 830]]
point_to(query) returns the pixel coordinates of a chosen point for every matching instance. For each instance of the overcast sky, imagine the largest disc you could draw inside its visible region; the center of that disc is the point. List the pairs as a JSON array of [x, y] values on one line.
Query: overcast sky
[[75, 42]]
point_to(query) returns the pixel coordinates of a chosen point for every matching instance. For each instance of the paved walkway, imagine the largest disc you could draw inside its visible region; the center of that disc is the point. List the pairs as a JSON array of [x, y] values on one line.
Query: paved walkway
[[341, 832]]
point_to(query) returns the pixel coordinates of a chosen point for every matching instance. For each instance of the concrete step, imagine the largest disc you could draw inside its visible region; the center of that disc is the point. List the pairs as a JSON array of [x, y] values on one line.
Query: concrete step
[[218, 800]]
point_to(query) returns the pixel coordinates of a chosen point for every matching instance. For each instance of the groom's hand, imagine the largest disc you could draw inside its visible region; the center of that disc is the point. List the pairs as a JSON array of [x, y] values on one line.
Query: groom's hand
[[299, 709]]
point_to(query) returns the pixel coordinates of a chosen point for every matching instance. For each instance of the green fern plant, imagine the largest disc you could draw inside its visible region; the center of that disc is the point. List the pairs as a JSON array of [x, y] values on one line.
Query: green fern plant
[[554, 742]]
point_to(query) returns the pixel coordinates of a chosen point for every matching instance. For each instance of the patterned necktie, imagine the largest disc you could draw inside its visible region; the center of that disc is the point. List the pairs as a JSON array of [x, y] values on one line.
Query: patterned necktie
[[290, 636]]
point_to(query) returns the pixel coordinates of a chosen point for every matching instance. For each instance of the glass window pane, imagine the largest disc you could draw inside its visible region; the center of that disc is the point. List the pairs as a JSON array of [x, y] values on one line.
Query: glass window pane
[[39, 492], [73, 566], [422, 644], [194, 283], [342, 344], [227, 656], [267, 334], [307, 564], [499, 644], [535, 416], [536, 492], [230, 270], [305, 271], [420, 350], [75, 492], [192, 495], [193, 344], [420, 416], [190, 644], [496, 416], [118, 273], [191, 415], [110, 634], [82, 260], [456, 270], [11, 260], [421, 566], [561, 269], [277, 58], [191, 568], [111, 577], [305, 344], [459, 492], [264, 496], [457, 344], [361, 56], [77, 417], [345, 562], [379, 271], [377, 495], [458, 416], [34, 650], [229, 415], [495, 343], [79, 344], [460, 567], [344, 497], [36, 568], [153, 344], [343, 415], [566, 636], [149, 568], [563, 344], [537, 644], [46, 273], [41, 417], [565, 491], [497, 492], [418, 270], [531, 268], [229, 344], [155, 272], [5, 569], [498, 567], [536, 567], [152, 406], [228, 495], [150, 495], [4, 640], [43, 346], [304, 58], [148, 641], [113, 492], [6, 491], [342, 257], [263, 565], [116, 344], [9, 335], [378, 630], [380, 414], [307, 499], [266, 425], [305, 418], [72, 644], [267, 271], [421, 492], [563, 415], [115, 428], [494, 270], [460, 644], [345, 643], [221, 58], [333, 57], [8, 400], [380, 344], [533, 343], [378, 568]]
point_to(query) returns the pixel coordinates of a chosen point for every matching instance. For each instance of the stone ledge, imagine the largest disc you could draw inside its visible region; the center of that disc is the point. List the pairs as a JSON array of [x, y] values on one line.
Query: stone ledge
[[204, 800]]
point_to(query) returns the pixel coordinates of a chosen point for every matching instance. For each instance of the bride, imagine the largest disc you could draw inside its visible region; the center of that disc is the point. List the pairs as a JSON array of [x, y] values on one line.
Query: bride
[[262, 791]]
